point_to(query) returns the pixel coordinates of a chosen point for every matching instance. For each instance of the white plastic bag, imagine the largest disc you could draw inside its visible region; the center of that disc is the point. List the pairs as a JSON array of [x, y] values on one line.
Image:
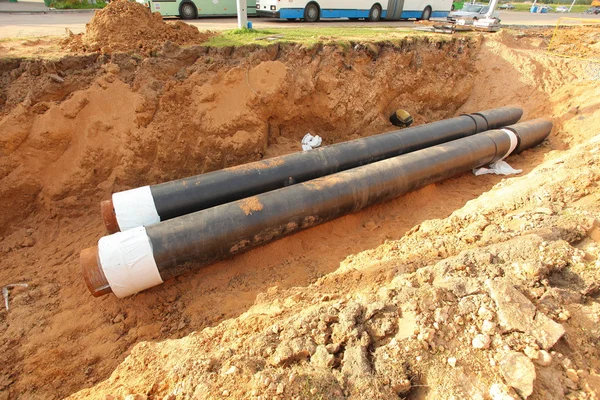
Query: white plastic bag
[[498, 168], [310, 142]]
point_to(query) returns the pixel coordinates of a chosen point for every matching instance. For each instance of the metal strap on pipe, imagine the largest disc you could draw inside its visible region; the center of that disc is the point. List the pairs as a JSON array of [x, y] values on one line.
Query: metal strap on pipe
[[514, 142]]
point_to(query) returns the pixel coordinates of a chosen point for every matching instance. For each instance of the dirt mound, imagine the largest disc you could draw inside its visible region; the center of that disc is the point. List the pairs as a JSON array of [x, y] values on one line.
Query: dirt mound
[[577, 41], [129, 26]]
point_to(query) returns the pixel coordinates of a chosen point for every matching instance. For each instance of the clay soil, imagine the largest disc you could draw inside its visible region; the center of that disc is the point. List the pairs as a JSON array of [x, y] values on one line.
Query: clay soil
[[412, 298]]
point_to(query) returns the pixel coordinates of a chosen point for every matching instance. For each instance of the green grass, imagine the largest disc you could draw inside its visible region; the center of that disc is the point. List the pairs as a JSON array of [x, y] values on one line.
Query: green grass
[[311, 36], [76, 4], [522, 7]]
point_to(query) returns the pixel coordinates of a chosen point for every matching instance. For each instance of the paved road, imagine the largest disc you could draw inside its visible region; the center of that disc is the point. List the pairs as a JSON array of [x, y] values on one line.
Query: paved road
[[28, 25]]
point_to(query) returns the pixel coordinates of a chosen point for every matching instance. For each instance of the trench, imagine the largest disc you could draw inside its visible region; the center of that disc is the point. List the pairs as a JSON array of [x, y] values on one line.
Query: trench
[[116, 122]]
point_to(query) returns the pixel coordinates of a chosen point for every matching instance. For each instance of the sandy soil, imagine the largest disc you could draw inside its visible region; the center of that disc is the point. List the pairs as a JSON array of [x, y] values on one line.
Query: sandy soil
[[130, 26], [389, 301]]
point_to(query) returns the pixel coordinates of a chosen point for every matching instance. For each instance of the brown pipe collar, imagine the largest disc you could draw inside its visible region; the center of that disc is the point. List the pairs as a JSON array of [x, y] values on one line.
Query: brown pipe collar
[[92, 272], [109, 216]]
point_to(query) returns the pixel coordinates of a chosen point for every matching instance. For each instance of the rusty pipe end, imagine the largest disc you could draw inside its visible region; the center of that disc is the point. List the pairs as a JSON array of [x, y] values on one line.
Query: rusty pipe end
[[93, 275], [109, 216]]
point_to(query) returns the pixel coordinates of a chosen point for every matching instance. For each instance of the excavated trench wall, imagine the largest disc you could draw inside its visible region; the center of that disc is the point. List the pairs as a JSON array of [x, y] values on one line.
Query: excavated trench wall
[[78, 128]]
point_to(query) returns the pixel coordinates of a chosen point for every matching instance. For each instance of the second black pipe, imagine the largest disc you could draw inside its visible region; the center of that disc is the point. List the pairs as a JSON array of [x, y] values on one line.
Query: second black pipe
[[151, 204]]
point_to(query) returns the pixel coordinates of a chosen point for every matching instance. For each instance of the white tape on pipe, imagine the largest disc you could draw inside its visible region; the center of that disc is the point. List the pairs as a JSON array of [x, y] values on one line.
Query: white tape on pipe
[[514, 142], [135, 208], [128, 262]]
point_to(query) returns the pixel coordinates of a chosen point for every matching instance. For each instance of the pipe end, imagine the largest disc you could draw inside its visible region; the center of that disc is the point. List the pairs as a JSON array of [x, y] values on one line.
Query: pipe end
[[531, 133], [109, 216], [93, 275]]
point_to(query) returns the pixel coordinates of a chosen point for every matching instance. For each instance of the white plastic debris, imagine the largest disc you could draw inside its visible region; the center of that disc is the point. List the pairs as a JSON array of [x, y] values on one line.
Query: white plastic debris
[[310, 142], [498, 168], [5, 292]]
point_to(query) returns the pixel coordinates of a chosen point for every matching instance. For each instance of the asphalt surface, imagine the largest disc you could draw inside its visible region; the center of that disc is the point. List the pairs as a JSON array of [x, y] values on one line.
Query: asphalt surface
[[54, 24]]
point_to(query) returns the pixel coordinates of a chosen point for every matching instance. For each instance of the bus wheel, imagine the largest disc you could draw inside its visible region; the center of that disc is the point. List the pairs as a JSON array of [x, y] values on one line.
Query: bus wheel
[[375, 13], [426, 14], [312, 13], [188, 10]]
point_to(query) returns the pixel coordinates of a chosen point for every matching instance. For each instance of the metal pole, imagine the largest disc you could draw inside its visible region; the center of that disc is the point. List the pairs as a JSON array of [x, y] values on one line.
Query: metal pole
[[131, 261], [242, 14], [572, 4], [490, 12], [151, 204]]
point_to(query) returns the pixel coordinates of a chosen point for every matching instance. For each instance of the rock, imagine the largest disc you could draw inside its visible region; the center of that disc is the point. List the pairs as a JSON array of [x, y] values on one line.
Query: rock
[[232, 370], [426, 335], [280, 388], [112, 68], [543, 359], [519, 372], [517, 313], [532, 353], [459, 286], [27, 241], [403, 386], [572, 375], [136, 396], [564, 315], [488, 326], [452, 362], [56, 78], [543, 210], [441, 315], [481, 341], [373, 309], [118, 318], [485, 313], [322, 358], [334, 348], [296, 349], [355, 361], [546, 331], [499, 391]]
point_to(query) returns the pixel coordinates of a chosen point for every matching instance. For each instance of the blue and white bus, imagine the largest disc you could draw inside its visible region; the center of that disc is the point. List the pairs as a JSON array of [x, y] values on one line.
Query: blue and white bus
[[371, 10]]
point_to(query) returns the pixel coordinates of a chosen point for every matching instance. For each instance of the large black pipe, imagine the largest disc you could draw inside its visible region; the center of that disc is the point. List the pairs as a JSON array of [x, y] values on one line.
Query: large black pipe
[[184, 196], [190, 241]]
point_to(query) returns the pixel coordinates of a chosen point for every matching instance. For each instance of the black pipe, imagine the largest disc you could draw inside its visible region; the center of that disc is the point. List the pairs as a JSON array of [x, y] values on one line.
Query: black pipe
[[217, 233], [188, 195]]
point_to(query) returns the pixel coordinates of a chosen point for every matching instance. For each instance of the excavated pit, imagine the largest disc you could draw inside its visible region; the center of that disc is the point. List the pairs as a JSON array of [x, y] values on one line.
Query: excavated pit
[[75, 129]]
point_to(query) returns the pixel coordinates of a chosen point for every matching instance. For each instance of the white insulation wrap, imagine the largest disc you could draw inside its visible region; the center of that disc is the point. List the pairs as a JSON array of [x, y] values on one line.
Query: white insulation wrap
[[135, 208], [514, 142], [128, 262], [501, 167]]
